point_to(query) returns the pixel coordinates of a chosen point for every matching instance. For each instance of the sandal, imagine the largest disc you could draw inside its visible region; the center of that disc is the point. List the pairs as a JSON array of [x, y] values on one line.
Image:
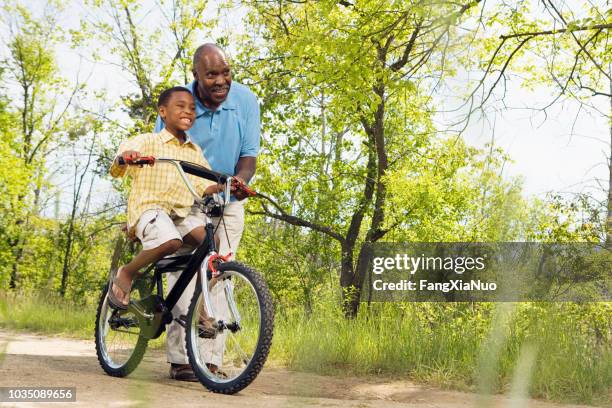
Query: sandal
[[113, 302]]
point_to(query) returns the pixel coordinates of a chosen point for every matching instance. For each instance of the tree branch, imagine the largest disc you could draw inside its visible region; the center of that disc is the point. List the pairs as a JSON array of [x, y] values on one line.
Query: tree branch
[[552, 32], [404, 59], [582, 47], [282, 215]]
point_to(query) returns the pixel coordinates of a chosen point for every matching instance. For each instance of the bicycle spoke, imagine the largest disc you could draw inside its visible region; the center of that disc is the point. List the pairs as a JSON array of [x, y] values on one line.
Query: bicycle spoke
[[119, 346], [245, 358]]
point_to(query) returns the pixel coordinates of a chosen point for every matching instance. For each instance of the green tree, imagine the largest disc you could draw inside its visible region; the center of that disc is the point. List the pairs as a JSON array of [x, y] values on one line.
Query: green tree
[[41, 105], [14, 176], [152, 43], [348, 117]]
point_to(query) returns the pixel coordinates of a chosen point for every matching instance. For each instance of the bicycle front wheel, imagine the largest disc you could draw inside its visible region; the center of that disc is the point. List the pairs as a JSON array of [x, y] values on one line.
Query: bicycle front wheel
[[244, 321]]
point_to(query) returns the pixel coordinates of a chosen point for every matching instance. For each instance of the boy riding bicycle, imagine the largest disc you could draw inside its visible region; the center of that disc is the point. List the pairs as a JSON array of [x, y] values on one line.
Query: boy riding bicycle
[[160, 210]]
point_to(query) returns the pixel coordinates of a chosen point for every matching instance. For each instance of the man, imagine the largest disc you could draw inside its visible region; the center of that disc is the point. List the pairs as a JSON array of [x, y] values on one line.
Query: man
[[227, 128]]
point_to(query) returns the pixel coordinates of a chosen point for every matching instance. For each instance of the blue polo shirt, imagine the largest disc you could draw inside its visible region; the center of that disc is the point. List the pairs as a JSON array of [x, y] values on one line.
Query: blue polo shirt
[[230, 132]]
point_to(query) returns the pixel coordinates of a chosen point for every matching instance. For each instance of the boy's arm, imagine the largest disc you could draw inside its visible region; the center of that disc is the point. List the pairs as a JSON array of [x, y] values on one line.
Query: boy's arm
[[213, 188], [132, 146]]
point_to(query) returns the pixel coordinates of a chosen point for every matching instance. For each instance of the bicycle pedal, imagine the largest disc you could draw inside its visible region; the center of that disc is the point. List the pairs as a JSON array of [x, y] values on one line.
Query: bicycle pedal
[[203, 331]]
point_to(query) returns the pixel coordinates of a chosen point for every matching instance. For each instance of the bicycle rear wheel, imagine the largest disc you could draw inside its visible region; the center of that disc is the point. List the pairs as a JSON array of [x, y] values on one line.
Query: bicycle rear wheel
[[119, 345], [244, 313]]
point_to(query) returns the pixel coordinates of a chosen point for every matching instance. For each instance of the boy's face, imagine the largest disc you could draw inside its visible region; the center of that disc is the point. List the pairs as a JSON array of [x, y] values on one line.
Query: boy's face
[[179, 112]]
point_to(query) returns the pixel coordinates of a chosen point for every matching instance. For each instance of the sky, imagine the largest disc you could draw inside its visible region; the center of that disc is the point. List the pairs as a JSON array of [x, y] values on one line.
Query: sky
[[563, 152]]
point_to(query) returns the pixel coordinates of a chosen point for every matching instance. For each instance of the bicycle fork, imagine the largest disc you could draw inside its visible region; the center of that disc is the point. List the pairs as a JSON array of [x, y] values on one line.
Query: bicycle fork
[[208, 280]]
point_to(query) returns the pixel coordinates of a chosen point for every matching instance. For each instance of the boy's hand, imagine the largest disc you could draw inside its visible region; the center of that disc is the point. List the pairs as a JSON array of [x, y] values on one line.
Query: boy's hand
[[130, 155], [214, 188]]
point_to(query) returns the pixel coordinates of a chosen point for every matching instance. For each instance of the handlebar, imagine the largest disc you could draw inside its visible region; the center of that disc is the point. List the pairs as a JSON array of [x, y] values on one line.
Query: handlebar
[[188, 167], [241, 186], [196, 170]]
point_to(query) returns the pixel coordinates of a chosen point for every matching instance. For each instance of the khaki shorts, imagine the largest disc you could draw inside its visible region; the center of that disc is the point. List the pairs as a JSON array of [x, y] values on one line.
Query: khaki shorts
[[155, 227]]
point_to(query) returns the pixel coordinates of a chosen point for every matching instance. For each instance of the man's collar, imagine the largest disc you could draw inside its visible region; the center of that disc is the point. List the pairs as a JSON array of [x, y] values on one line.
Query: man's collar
[[228, 103]]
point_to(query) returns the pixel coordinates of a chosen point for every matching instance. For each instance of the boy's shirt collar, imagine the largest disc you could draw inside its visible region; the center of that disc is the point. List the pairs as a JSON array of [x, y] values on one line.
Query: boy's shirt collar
[[228, 103], [167, 137]]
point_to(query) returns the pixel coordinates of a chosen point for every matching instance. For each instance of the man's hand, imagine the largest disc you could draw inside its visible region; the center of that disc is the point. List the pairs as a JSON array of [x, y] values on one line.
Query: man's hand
[[239, 194]]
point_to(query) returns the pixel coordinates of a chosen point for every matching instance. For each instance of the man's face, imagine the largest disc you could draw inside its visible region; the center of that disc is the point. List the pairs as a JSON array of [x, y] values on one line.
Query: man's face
[[179, 112], [214, 78]]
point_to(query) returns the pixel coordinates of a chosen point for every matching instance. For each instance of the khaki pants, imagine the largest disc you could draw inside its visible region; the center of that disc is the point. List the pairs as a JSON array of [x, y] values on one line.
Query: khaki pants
[[176, 351]]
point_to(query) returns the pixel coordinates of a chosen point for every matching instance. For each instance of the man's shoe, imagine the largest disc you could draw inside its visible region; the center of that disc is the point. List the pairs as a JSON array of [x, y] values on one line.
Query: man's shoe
[[182, 372]]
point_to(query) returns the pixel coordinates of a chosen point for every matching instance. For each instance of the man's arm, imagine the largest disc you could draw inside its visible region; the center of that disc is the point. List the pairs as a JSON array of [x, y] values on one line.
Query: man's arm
[[245, 168]]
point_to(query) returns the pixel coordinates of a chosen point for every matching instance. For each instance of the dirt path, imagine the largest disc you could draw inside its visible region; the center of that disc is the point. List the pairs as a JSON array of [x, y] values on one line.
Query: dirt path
[[34, 360]]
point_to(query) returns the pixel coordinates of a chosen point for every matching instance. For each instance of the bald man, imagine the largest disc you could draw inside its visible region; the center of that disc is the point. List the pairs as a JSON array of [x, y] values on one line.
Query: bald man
[[227, 128]]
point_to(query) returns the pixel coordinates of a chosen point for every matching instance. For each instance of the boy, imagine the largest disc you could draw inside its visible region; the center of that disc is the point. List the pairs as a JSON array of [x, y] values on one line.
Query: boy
[[160, 205]]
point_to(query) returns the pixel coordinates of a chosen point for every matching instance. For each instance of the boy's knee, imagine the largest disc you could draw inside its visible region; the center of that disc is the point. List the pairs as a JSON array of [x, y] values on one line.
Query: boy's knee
[[172, 246]]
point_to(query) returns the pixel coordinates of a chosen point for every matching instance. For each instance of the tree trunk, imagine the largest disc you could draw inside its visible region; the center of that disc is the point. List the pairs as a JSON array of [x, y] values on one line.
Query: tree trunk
[[117, 252], [377, 167], [67, 253], [350, 299], [609, 219], [352, 308], [15, 269], [18, 244]]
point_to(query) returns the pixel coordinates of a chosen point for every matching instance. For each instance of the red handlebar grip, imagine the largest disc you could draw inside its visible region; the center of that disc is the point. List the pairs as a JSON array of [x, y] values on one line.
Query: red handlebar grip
[[142, 160], [240, 186]]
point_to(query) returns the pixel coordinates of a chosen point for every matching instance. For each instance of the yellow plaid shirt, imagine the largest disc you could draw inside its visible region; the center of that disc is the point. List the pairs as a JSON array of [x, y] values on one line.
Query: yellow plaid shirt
[[160, 186]]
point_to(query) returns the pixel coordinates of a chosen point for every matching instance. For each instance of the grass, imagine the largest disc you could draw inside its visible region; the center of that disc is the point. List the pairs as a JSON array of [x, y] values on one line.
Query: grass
[[46, 314], [49, 314], [560, 352], [564, 350]]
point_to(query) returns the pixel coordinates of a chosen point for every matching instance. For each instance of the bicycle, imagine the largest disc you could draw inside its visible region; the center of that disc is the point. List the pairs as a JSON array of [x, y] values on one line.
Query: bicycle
[[233, 294]]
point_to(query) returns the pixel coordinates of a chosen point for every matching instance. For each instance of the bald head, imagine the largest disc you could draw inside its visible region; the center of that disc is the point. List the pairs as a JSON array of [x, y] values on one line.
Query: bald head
[[208, 50], [213, 74]]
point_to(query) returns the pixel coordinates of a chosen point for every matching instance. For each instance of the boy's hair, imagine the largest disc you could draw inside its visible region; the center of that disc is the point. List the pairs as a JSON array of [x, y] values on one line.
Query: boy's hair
[[164, 97]]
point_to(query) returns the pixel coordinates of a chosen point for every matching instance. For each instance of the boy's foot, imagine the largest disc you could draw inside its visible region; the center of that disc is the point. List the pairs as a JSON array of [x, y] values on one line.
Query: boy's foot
[[117, 292], [182, 372]]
